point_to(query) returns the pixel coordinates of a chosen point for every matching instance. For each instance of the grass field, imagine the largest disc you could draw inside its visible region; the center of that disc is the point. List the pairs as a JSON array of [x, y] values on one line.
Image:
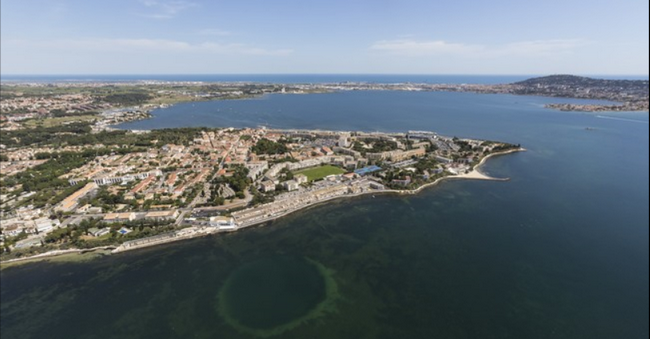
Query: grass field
[[317, 173], [50, 122]]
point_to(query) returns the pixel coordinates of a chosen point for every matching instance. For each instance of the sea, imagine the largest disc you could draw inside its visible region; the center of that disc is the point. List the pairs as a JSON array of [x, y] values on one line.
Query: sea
[[558, 251]]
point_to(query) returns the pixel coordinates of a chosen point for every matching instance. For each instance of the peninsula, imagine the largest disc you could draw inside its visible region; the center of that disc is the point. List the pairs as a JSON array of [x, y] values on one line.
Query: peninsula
[[119, 190]]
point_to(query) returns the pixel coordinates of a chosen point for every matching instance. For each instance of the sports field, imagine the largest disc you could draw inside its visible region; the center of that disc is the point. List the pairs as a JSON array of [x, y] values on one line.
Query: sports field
[[317, 173]]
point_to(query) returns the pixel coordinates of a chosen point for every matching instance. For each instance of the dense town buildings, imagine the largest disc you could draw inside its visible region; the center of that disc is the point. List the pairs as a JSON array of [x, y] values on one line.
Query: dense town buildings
[[262, 173]]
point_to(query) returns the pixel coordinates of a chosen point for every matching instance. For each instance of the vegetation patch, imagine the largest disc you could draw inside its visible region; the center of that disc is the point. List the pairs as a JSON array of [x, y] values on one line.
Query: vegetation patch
[[58, 121], [273, 295], [63, 258], [317, 173], [266, 146]]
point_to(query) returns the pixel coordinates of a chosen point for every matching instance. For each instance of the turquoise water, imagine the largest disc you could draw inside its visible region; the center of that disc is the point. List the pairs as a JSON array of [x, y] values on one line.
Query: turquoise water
[[559, 251]]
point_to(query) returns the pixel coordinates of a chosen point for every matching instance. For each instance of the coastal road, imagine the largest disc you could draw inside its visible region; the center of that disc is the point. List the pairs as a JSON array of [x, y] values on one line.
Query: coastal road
[[77, 218], [181, 216]]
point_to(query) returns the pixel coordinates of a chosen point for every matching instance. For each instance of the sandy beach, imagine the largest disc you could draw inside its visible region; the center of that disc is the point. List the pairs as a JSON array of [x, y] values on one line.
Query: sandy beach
[[474, 174]]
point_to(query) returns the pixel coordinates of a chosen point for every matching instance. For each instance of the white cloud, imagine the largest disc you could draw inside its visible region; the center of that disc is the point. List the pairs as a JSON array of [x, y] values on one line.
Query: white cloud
[[214, 32], [420, 48], [166, 9], [241, 49], [147, 45], [536, 48]]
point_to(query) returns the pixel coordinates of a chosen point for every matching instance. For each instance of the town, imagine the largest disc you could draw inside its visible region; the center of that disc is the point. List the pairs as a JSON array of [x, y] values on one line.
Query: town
[[128, 190], [70, 181], [23, 103]]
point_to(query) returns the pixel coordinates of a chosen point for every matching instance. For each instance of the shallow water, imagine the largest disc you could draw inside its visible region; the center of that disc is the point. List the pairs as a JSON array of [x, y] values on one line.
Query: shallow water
[[560, 250]]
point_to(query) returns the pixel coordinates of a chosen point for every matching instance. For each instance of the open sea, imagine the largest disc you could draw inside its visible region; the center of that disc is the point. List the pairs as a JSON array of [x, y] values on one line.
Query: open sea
[[558, 251]]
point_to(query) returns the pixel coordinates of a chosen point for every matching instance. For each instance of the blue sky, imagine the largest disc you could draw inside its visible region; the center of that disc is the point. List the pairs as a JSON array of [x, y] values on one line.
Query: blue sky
[[351, 36]]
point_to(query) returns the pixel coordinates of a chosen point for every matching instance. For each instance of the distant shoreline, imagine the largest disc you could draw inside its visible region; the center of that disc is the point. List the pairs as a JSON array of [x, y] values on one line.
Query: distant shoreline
[[629, 93]]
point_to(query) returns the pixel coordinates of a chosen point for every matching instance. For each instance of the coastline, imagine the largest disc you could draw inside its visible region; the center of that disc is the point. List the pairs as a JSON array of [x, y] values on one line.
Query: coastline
[[76, 254], [474, 174], [69, 255]]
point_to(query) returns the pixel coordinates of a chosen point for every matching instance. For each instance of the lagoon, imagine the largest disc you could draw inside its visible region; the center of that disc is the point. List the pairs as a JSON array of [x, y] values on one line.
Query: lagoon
[[560, 250]]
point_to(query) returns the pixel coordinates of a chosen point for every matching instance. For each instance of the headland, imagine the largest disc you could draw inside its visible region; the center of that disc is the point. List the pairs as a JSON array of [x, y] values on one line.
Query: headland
[[205, 181]]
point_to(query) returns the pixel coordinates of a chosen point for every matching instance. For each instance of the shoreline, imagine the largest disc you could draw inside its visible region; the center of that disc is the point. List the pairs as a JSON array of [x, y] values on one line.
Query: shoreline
[[69, 255], [561, 107], [474, 174]]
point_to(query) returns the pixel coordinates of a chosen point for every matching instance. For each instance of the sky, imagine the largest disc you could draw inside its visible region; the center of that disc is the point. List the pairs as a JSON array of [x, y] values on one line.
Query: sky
[[592, 37]]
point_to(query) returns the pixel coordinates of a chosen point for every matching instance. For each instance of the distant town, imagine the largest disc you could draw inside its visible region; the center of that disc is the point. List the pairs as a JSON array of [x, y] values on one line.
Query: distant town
[[21, 101], [70, 182]]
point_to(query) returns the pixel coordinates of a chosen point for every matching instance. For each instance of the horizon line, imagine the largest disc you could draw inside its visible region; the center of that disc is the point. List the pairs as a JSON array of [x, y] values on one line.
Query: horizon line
[[227, 74]]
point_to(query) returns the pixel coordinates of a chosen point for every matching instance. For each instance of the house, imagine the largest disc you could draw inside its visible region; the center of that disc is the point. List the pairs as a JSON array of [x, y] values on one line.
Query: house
[[332, 177], [70, 202], [45, 225], [159, 207], [98, 232], [300, 178], [255, 169], [397, 155], [223, 223], [343, 141], [402, 182], [376, 185], [267, 186], [350, 176], [291, 185], [162, 215], [171, 179], [84, 208], [27, 212], [12, 230], [29, 242], [119, 217], [444, 160], [327, 150], [95, 210]]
